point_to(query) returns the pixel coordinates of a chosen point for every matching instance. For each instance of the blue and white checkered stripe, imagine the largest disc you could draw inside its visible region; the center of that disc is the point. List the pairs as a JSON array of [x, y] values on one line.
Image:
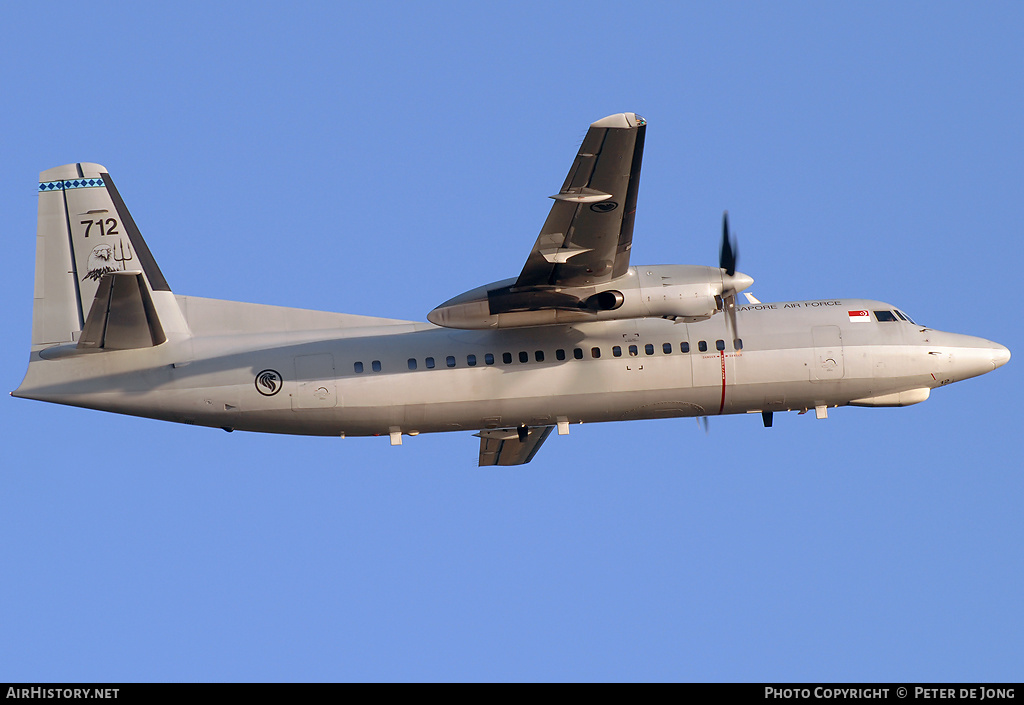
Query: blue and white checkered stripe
[[67, 185]]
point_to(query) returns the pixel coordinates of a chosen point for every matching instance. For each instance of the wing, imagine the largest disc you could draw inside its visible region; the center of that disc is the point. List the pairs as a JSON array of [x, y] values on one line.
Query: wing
[[503, 446], [589, 231]]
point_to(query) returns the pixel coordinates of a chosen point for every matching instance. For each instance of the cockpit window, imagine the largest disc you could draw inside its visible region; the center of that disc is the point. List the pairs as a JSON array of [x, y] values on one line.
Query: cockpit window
[[900, 315], [905, 317], [884, 316]]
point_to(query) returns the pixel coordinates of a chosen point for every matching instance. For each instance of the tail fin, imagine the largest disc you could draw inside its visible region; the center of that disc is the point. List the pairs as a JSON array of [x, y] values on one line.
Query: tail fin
[[86, 236]]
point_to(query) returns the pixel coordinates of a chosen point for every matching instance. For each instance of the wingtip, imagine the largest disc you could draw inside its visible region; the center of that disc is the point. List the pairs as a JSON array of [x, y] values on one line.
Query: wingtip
[[620, 120]]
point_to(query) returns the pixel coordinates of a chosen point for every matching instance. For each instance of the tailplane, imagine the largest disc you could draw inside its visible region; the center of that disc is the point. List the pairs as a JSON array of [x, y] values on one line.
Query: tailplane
[[96, 282]]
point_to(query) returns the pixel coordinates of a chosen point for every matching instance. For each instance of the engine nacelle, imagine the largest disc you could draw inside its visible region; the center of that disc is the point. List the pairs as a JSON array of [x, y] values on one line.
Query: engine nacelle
[[677, 292]]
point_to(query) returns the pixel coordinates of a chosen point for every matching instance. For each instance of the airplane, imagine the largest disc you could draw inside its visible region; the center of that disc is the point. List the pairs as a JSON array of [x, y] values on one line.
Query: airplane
[[579, 336]]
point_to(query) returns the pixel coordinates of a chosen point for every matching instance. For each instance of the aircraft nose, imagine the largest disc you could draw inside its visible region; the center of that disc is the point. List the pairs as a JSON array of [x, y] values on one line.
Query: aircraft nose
[[970, 356], [1000, 355]]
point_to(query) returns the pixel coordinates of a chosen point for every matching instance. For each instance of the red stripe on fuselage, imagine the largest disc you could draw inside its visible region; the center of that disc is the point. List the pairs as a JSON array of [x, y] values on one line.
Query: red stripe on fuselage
[[722, 405]]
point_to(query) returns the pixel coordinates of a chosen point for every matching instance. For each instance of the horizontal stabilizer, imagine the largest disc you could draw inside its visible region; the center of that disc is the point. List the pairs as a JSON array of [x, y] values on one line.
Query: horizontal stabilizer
[[122, 316], [507, 446]]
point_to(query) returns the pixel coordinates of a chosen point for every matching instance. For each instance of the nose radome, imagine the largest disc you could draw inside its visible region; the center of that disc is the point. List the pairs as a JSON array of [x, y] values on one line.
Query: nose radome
[[1000, 355]]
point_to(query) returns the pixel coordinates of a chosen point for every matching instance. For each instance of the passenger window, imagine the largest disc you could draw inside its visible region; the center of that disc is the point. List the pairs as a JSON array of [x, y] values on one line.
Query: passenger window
[[738, 344], [450, 361], [577, 353], [649, 349], [684, 347], [358, 367], [559, 354], [632, 351], [538, 355], [719, 345], [471, 360], [412, 363], [429, 362], [885, 316], [666, 348], [524, 356], [375, 365], [489, 359], [702, 346], [506, 358], [595, 352], [616, 351]]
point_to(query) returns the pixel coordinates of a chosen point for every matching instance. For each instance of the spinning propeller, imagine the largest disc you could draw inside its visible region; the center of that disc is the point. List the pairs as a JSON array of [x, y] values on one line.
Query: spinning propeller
[[728, 255], [732, 284]]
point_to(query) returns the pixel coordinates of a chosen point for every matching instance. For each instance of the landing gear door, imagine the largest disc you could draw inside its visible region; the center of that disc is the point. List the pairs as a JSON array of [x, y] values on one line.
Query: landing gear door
[[828, 363], [315, 386]]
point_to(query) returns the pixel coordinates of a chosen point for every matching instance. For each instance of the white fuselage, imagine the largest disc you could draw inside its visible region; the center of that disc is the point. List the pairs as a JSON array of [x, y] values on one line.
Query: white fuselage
[[794, 356]]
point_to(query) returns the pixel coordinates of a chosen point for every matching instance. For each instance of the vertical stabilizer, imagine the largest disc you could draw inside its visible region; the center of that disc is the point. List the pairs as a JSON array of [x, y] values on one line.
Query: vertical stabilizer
[[85, 232]]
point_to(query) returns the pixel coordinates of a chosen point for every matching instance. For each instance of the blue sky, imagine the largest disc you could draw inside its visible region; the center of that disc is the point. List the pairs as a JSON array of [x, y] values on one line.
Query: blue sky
[[381, 159]]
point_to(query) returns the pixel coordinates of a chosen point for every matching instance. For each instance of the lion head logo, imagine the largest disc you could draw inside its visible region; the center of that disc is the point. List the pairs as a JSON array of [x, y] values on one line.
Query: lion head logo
[[269, 382]]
